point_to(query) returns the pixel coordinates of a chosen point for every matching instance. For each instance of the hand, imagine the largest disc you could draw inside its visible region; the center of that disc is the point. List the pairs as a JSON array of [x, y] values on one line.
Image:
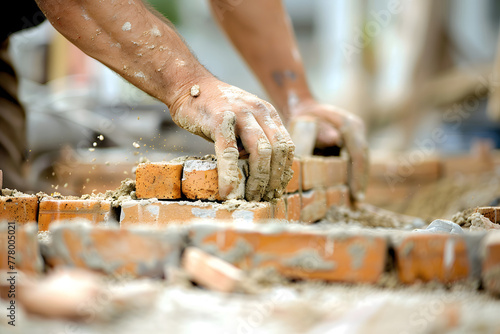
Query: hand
[[227, 116], [337, 127]]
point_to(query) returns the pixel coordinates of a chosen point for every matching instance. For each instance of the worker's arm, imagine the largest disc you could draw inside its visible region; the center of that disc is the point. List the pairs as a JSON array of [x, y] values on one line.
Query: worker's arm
[[261, 31], [145, 49]]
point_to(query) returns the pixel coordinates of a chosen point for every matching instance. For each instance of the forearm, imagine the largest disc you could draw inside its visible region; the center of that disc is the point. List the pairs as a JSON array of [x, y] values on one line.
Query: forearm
[[262, 33], [127, 37]]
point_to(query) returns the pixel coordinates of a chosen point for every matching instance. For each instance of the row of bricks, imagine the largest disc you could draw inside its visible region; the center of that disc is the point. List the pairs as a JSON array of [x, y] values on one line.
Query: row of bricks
[[417, 167], [309, 206], [295, 251], [198, 179]]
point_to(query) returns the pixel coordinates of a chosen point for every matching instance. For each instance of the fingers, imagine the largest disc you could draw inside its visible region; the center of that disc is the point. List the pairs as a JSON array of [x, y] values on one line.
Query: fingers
[[355, 142], [282, 151], [249, 126], [352, 137], [227, 153], [255, 142], [328, 136]]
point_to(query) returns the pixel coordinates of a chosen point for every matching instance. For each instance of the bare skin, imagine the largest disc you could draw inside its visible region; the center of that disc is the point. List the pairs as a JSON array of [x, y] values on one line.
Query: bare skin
[[262, 33], [145, 49]]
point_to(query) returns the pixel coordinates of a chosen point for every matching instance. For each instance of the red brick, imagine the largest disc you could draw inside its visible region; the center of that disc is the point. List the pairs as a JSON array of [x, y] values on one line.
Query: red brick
[[162, 212], [26, 258], [210, 271], [293, 207], [313, 206], [93, 210], [159, 180], [336, 171], [380, 194], [466, 164], [295, 182], [313, 172], [66, 294], [403, 170], [490, 212], [279, 208], [25, 242], [19, 209], [428, 257], [337, 195], [113, 250], [200, 180], [491, 263], [298, 253]]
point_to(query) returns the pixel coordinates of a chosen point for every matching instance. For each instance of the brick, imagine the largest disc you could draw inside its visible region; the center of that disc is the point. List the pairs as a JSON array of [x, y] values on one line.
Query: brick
[[293, 207], [146, 212], [475, 163], [93, 210], [200, 180], [491, 262], [66, 294], [279, 208], [210, 271], [295, 182], [313, 172], [296, 252], [336, 171], [490, 212], [337, 195], [112, 250], [428, 257], [19, 209], [24, 239], [313, 206], [160, 180], [26, 259], [380, 194], [402, 171]]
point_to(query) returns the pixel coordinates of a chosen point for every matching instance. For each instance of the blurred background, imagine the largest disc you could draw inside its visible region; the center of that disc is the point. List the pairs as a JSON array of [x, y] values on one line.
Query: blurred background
[[422, 74]]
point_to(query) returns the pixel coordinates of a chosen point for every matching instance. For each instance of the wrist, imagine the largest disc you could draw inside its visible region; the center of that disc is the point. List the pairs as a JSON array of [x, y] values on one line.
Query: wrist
[[182, 84], [296, 104]]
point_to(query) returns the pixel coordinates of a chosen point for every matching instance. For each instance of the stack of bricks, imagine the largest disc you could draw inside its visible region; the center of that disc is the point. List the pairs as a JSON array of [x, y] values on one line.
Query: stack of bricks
[[182, 191]]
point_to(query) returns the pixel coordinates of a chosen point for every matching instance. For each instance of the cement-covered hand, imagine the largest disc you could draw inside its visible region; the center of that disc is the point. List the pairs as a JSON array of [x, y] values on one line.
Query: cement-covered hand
[[227, 116], [147, 51], [337, 127]]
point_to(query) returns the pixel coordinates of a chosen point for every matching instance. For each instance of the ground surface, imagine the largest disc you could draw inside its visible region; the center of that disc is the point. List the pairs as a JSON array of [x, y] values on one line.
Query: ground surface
[[281, 308]]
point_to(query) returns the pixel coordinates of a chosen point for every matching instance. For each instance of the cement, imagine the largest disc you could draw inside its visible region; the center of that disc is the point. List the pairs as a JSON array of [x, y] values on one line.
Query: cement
[[367, 216], [473, 221], [6, 192]]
